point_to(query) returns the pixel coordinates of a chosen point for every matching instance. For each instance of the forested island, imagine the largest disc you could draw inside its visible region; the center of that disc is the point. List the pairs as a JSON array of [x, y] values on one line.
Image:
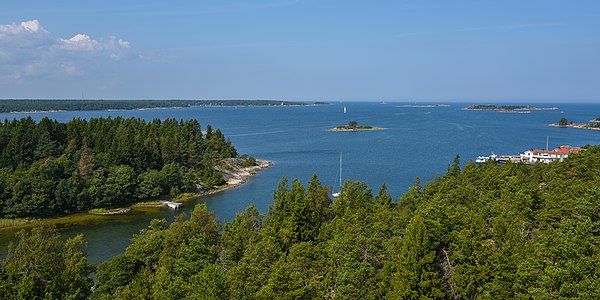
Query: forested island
[[353, 126], [565, 123], [37, 105], [507, 107], [50, 168], [490, 231]]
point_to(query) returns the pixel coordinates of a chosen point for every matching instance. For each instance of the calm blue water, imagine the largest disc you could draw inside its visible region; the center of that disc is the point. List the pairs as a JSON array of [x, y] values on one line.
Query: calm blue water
[[419, 142]]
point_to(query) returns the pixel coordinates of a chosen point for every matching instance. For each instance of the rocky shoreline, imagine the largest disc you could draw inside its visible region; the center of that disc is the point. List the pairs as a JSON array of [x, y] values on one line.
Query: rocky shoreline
[[576, 126], [234, 173]]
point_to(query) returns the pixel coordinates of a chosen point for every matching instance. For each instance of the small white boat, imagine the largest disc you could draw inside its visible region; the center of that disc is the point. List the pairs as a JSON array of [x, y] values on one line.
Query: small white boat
[[335, 195], [344, 109], [172, 205], [481, 159], [484, 159]]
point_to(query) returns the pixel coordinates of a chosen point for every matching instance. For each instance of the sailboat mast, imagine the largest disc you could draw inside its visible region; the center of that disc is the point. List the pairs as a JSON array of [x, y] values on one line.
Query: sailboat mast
[[340, 170]]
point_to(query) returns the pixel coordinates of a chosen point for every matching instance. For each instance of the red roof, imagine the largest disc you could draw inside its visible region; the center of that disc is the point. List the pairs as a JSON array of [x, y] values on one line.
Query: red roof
[[543, 151], [563, 150]]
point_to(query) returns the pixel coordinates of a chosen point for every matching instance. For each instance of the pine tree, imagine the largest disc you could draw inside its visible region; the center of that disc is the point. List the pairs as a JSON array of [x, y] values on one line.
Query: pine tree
[[86, 160], [416, 275]]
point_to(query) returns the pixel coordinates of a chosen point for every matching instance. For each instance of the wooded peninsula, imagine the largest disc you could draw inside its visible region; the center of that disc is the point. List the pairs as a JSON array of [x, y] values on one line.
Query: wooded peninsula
[[50, 168], [484, 231], [37, 105]]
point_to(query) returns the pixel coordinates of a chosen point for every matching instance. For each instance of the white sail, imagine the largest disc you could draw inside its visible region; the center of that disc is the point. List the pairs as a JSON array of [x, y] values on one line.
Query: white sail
[[344, 109]]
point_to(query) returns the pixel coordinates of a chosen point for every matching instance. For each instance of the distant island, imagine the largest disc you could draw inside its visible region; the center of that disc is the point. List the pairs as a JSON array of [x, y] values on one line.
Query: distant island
[[507, 107], [41, 105], [353, 126], [565, 123], [424, 105]]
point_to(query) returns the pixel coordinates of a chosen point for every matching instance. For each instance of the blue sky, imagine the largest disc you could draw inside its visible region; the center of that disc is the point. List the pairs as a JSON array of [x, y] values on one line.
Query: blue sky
[[302, 50]]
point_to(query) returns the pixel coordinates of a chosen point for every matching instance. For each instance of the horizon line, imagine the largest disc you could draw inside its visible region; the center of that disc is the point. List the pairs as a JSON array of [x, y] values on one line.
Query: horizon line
[[577, 101]]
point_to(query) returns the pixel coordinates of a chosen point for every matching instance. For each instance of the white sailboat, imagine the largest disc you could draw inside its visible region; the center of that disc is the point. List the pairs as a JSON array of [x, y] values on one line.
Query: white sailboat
[[344, 109], [335, 195]]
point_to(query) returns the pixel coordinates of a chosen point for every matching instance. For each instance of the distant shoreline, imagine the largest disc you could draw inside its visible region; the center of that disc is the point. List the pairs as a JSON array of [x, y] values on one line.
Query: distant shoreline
[[23, 106]]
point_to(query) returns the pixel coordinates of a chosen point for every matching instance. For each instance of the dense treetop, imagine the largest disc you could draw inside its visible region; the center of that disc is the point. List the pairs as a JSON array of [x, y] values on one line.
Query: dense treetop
[[485, 232], [352, 124], [23, 105], [50, 168], [563, 122]]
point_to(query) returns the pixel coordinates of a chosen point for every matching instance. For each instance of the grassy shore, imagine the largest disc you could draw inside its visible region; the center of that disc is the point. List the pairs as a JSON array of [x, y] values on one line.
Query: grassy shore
[[109, 211], [14, 222], [78, 218]]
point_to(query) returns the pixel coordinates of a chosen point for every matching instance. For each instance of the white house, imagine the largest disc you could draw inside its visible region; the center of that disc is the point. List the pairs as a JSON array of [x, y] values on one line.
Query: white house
[[547, 156]]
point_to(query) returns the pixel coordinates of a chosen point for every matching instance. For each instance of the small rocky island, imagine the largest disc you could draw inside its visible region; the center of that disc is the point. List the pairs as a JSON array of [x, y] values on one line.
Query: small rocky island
[[565, 123], [507, 107], [353, 126]]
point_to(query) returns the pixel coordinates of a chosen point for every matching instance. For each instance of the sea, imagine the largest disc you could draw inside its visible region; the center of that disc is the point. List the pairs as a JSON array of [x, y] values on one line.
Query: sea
[[419, 141]]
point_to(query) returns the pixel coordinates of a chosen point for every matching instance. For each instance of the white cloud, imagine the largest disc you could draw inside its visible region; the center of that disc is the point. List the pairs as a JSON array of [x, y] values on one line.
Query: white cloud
[[32, 26], [27, 27], [79, 42], [28, 49]]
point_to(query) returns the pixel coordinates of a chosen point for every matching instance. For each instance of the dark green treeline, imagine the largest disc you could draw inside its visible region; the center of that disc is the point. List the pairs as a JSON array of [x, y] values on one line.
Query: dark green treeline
[[23, 105], [49, 168], [483, 232]]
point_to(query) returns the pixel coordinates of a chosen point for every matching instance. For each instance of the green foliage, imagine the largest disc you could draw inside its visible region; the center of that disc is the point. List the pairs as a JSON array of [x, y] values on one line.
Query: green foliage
[[170, 261], [481, 232], [41, 266], [497, 232], [249, 161], [51, 168], [563, 122], [71, 105], [417, 275], [353, 125]]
